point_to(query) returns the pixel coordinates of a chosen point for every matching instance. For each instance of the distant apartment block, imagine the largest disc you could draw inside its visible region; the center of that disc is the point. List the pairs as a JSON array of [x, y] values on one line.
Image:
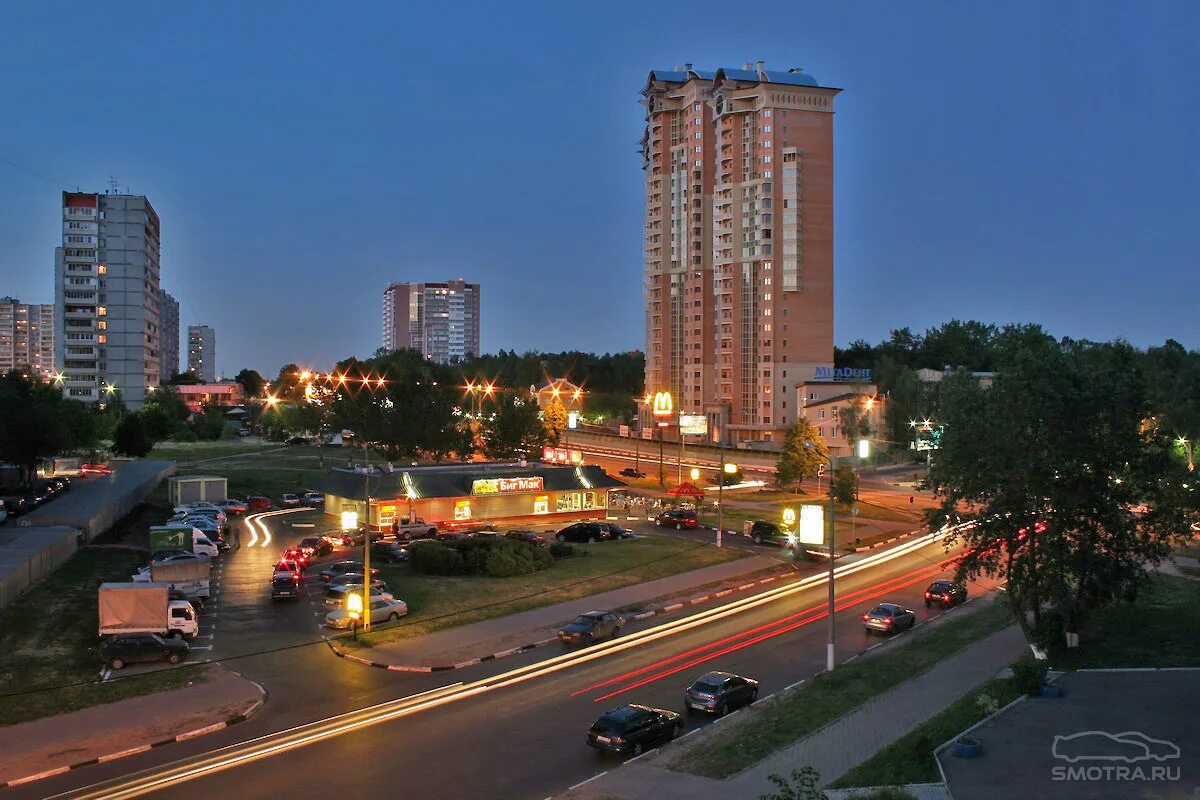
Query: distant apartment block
[[26, 336], [202, 352], [169, 315], [738, 243], [439, 319], [106, 303]]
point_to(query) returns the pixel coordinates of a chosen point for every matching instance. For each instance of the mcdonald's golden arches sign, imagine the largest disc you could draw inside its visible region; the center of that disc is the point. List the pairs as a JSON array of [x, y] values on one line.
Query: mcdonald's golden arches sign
[[663, 405]]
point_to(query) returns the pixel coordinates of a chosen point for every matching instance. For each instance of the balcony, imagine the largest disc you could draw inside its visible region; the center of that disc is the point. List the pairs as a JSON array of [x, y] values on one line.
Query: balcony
[[80, 313]]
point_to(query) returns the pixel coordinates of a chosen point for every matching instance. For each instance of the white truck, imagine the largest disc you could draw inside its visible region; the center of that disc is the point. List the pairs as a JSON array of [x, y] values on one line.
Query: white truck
[[181, 537], [408, 528], [145, 608], [190, 579]]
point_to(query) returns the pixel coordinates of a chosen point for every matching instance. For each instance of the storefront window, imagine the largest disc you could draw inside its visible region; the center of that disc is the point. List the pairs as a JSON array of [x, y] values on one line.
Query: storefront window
[[568, 501], [387, 515], [589, 499], [462, 509], [541, 504]]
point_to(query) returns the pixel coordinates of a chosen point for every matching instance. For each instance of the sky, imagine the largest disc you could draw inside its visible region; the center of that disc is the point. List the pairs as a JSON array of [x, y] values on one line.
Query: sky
[[1006, 162]]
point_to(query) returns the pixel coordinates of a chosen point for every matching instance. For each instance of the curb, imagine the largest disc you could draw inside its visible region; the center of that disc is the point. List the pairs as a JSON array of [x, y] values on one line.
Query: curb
[[133, 751], [341, 652]]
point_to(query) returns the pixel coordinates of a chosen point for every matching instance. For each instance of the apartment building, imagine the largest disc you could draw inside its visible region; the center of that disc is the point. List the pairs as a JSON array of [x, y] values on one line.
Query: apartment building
[[202, 352], [169, 315], [106, 303], [439, 319], [738, 250], [26, 337]]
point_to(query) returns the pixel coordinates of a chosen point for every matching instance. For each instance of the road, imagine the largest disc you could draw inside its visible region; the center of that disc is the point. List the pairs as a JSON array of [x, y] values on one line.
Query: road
[[520, 739]]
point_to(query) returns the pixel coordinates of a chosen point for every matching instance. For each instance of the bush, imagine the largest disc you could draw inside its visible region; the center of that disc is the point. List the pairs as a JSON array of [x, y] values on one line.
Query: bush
[[496, 558], [563, 550], [1027, 676], [507, 559], [887, 793], [435, 558]]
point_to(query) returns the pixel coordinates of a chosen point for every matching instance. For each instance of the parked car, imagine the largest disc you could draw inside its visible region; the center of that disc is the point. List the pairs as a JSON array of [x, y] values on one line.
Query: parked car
[[389, 552], [296, 554], [259, 503], [677, 518], [167, 556], [594, 626], [528, 537], [763, 532], [631, 729], [243, 432], [355, 580], [296, 440], [3, 513], [630, 472], [355, 538], [16, 505], [95, 469], [335, 596], [316, 546], [338, 568], [285, 587], [889, 618], [289, 500], [137, 648], [232, 505], [312, 499], [718, 692], [592, 532], [289, 567], [945, 593], [382, 610]]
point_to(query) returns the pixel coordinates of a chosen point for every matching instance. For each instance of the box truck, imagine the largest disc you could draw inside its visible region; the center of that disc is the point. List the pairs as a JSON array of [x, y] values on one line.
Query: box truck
[[145, 608], [181, 537], [188, 579]]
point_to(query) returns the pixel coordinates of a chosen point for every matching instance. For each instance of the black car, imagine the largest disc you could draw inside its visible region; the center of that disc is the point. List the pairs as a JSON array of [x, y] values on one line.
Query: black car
[[763, 532], [630, 472], [389, 552], [592, 532], [945, 593], [16, 505], [717, 692], [889, 618], [285, 588], [134, 648], [316, 546], [593, 626], [337, 569], [632, 729]]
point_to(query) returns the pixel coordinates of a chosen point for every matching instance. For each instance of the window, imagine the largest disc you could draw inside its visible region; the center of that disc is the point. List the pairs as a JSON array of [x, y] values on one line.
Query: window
[[697, 107], [821, 415], [462, 509], [697, 163], [767, 144], [766, 159], [767, 113], [766, 128], [835, 413], [696, 148], [568, 501], [766, 173], [697, 134]]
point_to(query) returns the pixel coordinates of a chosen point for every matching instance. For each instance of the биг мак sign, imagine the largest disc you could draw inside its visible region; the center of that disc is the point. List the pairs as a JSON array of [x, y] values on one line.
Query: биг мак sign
[[505, 485]]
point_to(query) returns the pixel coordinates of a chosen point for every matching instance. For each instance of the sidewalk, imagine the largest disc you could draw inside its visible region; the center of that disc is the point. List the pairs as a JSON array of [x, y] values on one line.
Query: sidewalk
[[54, 745], [492, 636], [832, 750]]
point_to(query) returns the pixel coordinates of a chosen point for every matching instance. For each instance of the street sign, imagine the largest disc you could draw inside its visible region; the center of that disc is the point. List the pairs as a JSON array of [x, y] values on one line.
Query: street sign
[[821, 471], [854, 510], [812, 524]]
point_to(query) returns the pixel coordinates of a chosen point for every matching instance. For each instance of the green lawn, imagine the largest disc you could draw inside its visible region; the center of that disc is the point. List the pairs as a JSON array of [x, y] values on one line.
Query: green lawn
[[832, 695], [437, 602], [1160, 629], [49, 662], [910, 759]]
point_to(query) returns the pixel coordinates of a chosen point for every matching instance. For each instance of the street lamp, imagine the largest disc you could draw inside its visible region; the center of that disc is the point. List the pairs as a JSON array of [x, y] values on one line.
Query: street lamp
[[726, 469], [1186, 444], [354, 605]]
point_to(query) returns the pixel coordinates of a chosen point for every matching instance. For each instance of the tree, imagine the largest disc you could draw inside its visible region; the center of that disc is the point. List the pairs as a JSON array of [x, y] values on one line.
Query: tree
[[32, 424], [554, 419], [188, 378], [157, 422], [251, 382], [844, 486], [853, 421], [514, 431], [131, 438], [804, 453], [1048, 469], [210, 424]]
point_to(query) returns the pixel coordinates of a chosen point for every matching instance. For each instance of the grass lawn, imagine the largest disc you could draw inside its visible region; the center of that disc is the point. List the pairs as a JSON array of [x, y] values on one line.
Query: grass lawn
[[1160, 629], [437, 602], [1189, 550], [832, 695], [48, 642], [910, 759]]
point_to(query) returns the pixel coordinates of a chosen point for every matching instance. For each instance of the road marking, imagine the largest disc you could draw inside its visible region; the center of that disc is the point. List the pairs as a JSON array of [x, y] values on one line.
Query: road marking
[[133, 751], [793, 686], [643, 755], [216, 726], [201, 647], [589, 780], [31, 778]]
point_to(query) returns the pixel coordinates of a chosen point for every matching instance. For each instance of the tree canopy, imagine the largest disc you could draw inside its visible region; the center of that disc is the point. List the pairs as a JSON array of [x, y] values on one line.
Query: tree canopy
[[804, 453]]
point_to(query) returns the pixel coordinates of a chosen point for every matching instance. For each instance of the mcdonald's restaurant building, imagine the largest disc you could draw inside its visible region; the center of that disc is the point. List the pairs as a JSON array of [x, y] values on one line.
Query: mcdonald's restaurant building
[[466, 493]]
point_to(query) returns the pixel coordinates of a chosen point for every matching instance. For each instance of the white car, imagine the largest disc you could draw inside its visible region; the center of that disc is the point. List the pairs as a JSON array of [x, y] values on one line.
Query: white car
[[288, 500], [382, 610], [335, 596], [198, 505]]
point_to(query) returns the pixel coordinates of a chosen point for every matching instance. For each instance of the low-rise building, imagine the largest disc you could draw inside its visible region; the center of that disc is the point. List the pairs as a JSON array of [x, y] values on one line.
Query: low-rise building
[[825, 403], [225, 394], [560, 389]]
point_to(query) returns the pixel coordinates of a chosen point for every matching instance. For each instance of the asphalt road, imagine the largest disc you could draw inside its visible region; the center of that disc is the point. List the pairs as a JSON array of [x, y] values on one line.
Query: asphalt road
[[524, 740]]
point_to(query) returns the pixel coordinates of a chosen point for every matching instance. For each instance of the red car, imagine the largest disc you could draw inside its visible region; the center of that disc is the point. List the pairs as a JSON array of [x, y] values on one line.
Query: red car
[[677, 518], [295, 554], [95, 469], [259, 504]]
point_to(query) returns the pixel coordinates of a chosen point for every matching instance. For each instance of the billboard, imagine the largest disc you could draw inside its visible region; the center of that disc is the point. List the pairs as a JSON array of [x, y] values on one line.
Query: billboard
[[693, 424], [812, 525], [506, 485]]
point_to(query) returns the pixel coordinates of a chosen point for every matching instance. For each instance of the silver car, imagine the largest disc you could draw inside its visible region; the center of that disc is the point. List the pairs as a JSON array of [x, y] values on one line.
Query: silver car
[[889, 618], [382, 610]]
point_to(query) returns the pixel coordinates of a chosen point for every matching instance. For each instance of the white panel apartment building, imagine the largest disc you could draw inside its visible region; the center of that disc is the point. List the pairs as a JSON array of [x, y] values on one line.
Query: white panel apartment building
[[202, 352], [26, 336], [439, 319], [106, 304]]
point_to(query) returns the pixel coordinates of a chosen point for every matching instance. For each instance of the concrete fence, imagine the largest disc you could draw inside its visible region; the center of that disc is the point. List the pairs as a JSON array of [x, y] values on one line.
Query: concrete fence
[[29, 554]]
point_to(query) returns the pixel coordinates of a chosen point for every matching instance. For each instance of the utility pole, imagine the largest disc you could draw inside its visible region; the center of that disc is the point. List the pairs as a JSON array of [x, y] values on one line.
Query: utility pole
[[366, 620], [830, 647], [720, 488]]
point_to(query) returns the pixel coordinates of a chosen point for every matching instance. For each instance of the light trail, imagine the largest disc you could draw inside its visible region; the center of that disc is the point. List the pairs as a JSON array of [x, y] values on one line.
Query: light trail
[[273, 744], [255, 520]]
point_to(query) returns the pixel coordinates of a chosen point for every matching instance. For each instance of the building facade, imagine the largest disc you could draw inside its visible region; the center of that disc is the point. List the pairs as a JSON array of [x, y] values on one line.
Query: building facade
[[26, 337], [168, 311], [202, 352], [199, 396], [106, 303], [439, 319], [824, 403], [738, 243]]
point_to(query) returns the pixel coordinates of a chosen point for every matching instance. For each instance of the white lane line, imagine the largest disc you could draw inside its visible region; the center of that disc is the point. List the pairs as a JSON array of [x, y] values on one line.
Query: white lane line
[[589, 780], [794, 685], [643, 755]]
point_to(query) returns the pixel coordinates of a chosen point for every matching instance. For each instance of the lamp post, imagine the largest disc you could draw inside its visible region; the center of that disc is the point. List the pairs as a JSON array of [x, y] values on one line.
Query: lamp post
[[830, 647], [366, 619], [1186, 444], [726, 469]]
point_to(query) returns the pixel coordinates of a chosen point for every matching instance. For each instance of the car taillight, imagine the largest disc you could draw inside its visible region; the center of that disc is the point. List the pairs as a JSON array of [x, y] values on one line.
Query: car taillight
[[946, 597], [928, 595], [887, 620], [866, 616]]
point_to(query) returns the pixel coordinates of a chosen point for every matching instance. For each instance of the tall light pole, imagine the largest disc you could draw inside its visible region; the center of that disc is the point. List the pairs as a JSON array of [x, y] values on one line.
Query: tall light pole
[[830, 647], [664, 407], [366, 589], [1186, 444]]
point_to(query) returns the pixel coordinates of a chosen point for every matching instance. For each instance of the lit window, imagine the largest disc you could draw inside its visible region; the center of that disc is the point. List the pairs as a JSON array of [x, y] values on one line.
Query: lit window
[[462, 509], [766, 128]]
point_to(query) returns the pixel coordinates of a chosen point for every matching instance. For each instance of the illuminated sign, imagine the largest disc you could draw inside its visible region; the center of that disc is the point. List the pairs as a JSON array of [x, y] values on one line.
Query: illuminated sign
[[693, 424], [572, 419], [507, 485], [841, 374], [812, 524], [349, 520], [789, 517], [664, 406], [462, 509]]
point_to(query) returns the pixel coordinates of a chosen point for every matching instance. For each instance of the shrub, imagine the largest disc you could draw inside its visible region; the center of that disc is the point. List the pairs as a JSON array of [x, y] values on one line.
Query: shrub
[[887, 793], [1027, 676], [435, 558], [562, 550]]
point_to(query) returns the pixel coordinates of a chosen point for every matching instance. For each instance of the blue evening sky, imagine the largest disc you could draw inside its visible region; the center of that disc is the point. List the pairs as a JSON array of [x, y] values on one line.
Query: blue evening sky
[[1017, 161]]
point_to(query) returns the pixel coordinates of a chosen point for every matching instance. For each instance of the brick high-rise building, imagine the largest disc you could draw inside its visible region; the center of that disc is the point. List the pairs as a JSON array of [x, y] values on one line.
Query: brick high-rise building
[[169, 315], [26, 336], [439, 319], [202, 352], [106, 297], [738, 266]]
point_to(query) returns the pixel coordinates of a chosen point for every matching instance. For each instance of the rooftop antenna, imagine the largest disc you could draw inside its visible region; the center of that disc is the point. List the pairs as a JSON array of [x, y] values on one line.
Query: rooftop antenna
[[113, 186]]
